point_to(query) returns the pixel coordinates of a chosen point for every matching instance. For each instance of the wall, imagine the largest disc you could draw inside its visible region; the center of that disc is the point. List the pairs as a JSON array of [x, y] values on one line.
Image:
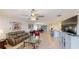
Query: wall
[[56, 26], [6, 24], [38, 25], [78, 25]]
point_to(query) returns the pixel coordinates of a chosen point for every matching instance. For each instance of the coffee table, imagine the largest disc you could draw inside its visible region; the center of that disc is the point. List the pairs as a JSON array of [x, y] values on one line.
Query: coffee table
[[29, 42]]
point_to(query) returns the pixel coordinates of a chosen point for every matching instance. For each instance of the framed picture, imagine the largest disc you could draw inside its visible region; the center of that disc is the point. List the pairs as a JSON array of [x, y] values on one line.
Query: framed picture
[[16, 25], [30, 26]]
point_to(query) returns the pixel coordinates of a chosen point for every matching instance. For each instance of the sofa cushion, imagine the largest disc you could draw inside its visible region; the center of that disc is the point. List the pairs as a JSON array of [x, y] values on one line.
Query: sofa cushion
[[11, 41]]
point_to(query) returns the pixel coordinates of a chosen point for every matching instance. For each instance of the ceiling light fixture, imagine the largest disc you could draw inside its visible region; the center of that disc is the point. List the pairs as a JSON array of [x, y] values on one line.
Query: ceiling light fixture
[[33, 14], [33, 18]]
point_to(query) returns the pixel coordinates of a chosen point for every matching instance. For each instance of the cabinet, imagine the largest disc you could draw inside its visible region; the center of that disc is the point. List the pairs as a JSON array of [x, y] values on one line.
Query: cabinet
[[66, 41], [74, 42], [70, 41]]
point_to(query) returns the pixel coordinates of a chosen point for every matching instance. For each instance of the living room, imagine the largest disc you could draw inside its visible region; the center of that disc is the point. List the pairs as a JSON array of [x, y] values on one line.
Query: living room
[[16, 24]]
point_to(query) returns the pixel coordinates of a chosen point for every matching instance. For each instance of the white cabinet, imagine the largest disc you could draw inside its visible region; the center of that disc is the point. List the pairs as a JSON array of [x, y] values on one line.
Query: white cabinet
[[70, 41], [74, 42], [67, 41]]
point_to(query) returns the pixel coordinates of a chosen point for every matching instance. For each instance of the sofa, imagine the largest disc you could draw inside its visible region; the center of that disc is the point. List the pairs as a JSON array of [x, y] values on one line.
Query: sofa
[[16, 39]]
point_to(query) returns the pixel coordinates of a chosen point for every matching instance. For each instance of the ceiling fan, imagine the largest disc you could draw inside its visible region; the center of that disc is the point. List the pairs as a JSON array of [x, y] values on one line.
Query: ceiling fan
[[34, 15]]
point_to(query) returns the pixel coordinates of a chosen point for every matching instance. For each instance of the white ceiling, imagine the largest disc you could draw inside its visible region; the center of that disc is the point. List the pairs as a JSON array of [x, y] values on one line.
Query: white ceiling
[[50, 14]]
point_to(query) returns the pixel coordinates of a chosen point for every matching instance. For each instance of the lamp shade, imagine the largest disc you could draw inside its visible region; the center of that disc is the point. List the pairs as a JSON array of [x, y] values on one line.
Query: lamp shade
[[2, 35]]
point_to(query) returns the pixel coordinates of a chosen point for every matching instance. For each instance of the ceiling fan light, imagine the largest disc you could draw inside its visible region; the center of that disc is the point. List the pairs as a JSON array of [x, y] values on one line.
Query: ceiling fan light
[[33, 14], [33, 18]]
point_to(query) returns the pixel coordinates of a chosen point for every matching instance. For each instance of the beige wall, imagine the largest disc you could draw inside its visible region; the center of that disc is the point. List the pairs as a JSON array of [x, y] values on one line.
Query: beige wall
[[56, 26], [6, 24]]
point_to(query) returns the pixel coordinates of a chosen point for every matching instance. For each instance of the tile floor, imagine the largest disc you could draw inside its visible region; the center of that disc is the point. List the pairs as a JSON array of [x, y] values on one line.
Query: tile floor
[[47, 42]]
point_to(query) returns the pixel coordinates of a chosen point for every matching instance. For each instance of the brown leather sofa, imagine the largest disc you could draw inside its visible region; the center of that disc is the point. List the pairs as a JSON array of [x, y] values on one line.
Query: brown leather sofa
[[14, 38]]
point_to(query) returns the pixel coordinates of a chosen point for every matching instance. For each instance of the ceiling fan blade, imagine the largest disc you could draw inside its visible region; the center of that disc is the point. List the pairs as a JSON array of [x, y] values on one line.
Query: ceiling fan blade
[[40, 16], [37, 18], [24, 15]]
